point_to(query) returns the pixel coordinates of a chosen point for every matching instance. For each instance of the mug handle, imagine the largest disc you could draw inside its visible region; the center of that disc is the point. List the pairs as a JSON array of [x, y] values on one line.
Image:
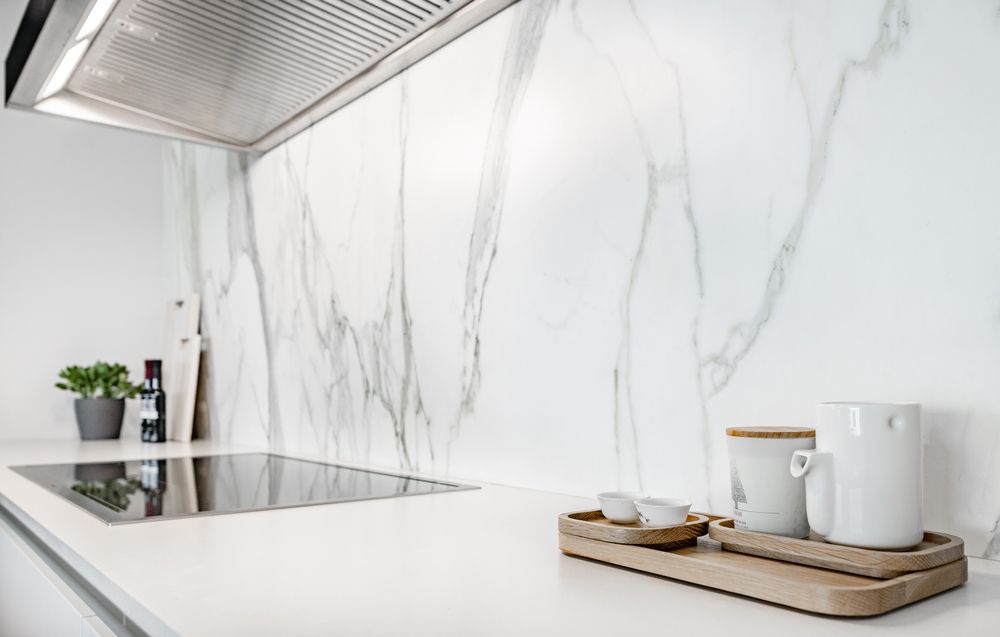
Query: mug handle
[[802, 461], [819, 488]]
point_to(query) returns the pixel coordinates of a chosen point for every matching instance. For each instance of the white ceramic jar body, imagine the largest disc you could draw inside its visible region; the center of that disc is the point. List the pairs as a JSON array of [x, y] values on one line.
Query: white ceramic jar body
[[864, 480], [765, 497]]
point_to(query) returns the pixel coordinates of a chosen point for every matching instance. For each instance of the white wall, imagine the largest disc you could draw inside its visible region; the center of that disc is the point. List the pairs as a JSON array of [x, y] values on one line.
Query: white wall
[[569, 249], [81, 256]]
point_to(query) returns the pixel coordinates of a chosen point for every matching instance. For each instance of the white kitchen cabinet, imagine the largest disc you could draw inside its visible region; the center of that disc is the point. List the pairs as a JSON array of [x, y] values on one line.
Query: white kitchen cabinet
[[34, 599]]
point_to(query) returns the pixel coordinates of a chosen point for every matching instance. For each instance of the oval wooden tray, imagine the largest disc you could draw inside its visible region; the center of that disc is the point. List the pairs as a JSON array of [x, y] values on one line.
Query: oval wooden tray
[[593, 525], [936, 550], [817, 590]]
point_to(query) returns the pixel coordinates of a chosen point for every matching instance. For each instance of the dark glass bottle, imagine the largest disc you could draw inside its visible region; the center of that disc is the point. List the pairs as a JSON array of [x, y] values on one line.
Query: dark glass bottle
[[153, 478], [153, 405]]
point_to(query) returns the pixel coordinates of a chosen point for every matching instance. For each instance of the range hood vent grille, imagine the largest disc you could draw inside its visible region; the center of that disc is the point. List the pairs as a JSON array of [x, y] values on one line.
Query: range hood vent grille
[[240, 74], [249, 73]]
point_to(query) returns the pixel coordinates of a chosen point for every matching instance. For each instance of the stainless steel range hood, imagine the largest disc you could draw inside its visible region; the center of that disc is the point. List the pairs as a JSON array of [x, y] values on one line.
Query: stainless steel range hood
[[243, 74]]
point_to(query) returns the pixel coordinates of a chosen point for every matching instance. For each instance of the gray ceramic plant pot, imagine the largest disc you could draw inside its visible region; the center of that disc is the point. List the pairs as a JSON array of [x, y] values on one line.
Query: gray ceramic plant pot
[[99, 418]]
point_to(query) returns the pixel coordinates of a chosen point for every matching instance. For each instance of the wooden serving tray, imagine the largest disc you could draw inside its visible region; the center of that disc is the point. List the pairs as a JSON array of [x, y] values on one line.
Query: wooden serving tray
[[935, 550], [593, 525], [806, 588]]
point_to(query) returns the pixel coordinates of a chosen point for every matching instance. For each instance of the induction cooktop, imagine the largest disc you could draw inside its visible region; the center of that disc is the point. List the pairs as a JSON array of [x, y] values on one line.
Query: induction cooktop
[[161, 488]]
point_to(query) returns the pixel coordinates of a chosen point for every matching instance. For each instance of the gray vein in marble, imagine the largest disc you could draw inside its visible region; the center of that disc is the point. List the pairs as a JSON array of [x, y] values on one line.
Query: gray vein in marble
[[183, 158], [624, 363], [410, 375], [190, 241], [334, 335], [312, 260], [398, 403], [993, 545], [243, 239], [657, 174], [393, 385], [237, 379], [189, 263], [626, 439], [682, 172], [718, 368], [520, 56], [382, 377]]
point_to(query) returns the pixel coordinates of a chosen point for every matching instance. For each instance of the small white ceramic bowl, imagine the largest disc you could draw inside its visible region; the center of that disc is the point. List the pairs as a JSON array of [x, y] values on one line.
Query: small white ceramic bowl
[[662, 511], [619, 506]]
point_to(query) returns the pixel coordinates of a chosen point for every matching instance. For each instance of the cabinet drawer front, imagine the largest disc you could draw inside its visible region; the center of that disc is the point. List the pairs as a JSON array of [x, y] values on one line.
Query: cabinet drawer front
[[33, 600]]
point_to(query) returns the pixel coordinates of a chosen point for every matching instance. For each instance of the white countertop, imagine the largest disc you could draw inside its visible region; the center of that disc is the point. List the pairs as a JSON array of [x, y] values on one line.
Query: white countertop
[[478, 562]]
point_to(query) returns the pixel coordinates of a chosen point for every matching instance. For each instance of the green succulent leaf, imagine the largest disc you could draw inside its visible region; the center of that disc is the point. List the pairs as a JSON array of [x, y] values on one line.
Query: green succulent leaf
[[100, 380]]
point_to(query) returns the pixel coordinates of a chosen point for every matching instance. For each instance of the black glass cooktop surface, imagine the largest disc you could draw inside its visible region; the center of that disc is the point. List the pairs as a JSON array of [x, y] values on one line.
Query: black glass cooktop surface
[[156, 489]]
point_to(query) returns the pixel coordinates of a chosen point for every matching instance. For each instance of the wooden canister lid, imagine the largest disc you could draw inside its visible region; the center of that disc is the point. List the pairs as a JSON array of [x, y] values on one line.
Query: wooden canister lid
[[770, 432]]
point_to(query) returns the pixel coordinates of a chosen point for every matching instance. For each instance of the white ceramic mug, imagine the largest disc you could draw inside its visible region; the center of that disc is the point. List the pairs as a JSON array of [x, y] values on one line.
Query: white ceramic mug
[[864, 479], [765, 497]]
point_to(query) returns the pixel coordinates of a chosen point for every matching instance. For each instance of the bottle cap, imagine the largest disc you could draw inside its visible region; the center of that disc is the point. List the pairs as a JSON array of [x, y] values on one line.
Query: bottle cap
[[153, 366]]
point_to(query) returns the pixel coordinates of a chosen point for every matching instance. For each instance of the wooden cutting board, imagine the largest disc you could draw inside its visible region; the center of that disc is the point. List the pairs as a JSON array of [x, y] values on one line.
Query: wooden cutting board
[[182, 392], [181, 365], [182, 320]]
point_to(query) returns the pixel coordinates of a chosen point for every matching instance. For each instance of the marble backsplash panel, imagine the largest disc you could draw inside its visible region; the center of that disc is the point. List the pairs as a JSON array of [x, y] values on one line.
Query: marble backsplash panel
[[570, 248]]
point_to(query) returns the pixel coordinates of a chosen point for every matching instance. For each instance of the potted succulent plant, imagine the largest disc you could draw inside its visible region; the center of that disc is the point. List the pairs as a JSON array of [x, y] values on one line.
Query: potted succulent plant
[[103, 388]]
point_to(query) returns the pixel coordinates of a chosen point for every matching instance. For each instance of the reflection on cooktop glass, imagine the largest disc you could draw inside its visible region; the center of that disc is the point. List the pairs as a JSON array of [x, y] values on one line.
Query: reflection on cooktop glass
[[140, 490]]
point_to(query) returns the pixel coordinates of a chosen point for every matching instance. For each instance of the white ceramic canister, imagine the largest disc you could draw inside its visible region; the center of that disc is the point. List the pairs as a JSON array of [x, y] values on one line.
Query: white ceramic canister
[[864, 480], [765, 497]]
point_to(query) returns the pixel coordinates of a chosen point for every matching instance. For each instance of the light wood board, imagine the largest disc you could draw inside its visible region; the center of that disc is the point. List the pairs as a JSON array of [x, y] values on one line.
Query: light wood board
[[182, 496], [178, 351], [935, 549], [183, 388], [803, 587], [594, 525], [182, 321]]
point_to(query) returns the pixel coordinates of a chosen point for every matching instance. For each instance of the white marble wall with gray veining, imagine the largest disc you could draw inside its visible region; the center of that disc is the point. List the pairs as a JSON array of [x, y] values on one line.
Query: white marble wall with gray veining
[[567, 250]]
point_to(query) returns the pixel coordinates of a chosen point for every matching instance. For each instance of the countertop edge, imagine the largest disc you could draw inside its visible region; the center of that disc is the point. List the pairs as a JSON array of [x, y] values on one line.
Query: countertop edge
[[88, 575]]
